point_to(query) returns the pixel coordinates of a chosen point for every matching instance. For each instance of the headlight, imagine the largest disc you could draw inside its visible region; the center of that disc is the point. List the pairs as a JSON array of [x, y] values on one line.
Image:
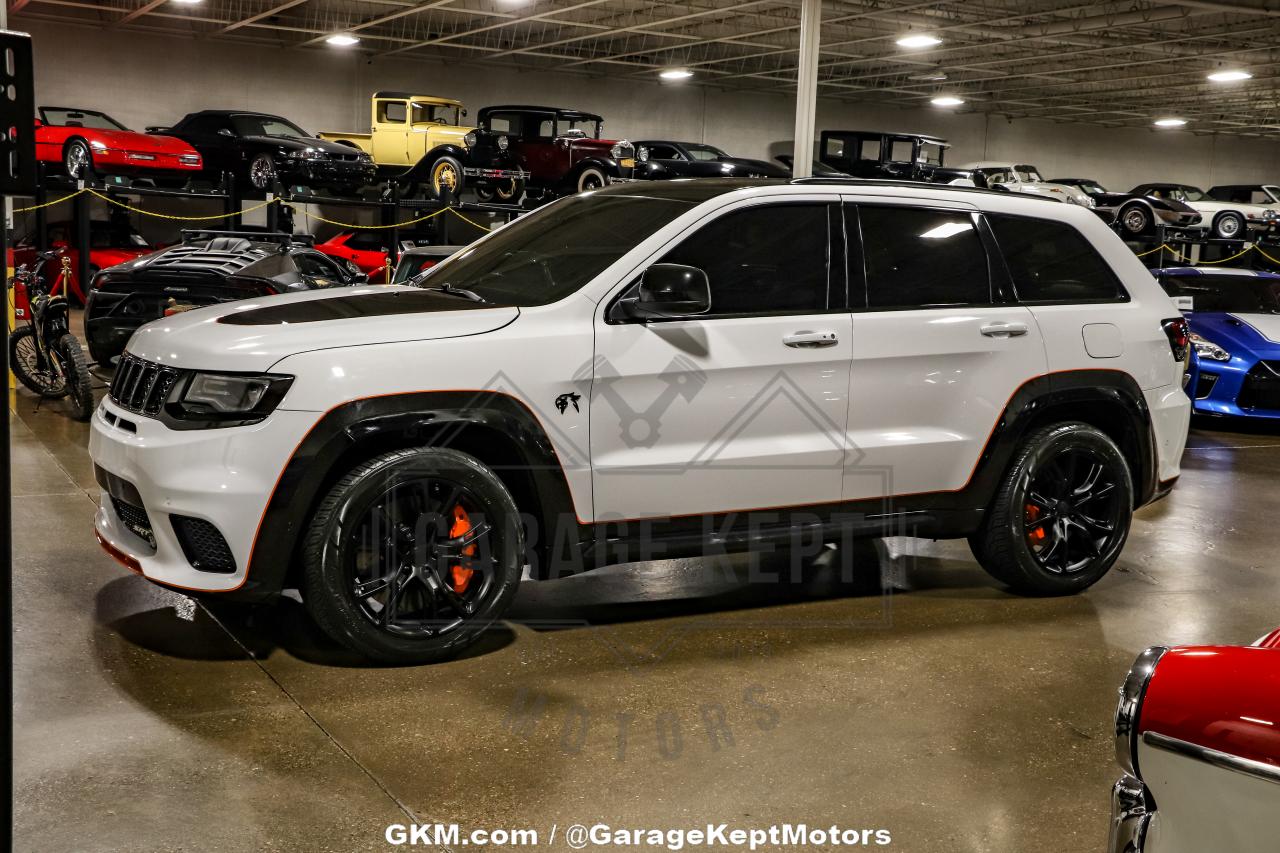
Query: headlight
[[306, 154], [1206, 348], [470, 139], [228, 399], [366, 157], [503, 143], [642, 154], [1129, 710], [621, 149], [1089, 201]]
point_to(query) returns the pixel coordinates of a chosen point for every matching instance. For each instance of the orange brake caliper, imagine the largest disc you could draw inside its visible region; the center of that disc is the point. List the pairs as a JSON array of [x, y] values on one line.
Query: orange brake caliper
[[459, 577], [1035, 532]]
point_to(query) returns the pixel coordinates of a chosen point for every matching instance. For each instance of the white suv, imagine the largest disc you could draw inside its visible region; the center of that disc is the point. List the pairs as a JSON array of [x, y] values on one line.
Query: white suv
[[653, 370]]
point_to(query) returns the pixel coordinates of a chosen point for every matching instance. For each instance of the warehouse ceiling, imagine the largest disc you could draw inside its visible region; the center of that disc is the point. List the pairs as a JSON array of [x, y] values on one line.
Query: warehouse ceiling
[[1125, 63]]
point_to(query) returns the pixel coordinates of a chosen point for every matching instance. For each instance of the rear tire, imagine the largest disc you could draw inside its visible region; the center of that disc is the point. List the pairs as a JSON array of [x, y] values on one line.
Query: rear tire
[[1134, 219], [77, 160], [24, 360], [1068, 492], [1229, 226], [382, 527], [261, 173], [591, 178]]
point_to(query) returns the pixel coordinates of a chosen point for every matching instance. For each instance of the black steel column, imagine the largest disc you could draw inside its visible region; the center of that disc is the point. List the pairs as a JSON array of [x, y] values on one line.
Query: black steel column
[[81, 241]]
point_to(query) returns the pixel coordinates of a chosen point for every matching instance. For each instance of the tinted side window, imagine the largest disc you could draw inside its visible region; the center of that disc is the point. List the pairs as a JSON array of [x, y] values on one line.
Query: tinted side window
[[921, 258], [764, 260], [1052, 262]]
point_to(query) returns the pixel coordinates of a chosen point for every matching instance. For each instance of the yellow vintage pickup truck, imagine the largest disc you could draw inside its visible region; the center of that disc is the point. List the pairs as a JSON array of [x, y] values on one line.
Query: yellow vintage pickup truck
[[417, 140]]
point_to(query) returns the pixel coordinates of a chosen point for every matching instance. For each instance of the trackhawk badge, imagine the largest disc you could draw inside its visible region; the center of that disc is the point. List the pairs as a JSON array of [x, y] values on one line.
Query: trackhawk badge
[[563, 401]]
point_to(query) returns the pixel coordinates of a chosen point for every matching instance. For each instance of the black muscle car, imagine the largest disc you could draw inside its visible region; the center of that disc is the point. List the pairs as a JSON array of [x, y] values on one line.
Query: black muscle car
[[206, 268], [1134, 212], [258, 149], [659, 159]]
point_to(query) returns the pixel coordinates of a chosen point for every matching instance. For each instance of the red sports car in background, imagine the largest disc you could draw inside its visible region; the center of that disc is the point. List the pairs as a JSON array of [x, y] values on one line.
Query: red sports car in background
[[84, 143], [110, 243], [1198, 736], [367, 250]]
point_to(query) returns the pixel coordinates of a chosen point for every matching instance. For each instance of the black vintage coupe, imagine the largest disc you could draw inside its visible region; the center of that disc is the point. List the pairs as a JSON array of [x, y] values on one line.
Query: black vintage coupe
[[660, 159], [258, 149], [206, 268], [1135, 212]]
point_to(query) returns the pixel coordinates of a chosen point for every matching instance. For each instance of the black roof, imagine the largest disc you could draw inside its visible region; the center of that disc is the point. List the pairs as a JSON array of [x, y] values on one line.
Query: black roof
[[560, 112], [927, 137], [1238, 186], [1164, 185], [231, 113], [1073, 181]]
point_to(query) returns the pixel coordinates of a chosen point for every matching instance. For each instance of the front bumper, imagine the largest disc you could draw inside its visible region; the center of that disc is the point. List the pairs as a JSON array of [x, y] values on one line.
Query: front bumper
[[1245, 387], [1131, 815], [221, 476], [481, 174], [329, 172]]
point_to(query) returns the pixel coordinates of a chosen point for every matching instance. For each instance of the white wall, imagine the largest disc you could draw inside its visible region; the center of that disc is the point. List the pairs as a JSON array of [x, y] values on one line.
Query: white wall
[[146, 80]]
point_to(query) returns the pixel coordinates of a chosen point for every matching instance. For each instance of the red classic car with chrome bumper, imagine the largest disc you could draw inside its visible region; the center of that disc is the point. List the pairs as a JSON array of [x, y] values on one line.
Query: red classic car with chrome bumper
[[85, 143], [1198, 736]]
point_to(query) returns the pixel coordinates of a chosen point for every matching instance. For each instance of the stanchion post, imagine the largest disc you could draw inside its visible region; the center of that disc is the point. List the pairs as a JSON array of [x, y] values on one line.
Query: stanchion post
[[231, 201], [393, 251], [42, 212]]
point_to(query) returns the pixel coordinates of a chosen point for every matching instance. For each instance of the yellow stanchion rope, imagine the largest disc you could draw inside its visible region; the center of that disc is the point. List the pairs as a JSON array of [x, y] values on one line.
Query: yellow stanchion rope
[[1165, 247], [139, 210], [470, 222], [48, 203]]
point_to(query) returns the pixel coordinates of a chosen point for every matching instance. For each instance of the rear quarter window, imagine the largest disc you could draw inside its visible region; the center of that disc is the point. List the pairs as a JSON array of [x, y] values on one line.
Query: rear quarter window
[[1052, 262]]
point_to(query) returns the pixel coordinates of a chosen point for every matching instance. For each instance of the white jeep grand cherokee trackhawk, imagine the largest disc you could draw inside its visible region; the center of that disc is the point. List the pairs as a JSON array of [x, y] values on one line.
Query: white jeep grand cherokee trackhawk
[[654, 370]]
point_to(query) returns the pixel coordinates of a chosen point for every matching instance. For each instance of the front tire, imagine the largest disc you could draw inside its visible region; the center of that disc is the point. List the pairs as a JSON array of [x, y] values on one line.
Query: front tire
[[412, 555], [79, 390], [262, 172], [1061, 515], [40, 375], [77, 160], [445, 177], [1134, 219], [1229, 226], [591, 179]]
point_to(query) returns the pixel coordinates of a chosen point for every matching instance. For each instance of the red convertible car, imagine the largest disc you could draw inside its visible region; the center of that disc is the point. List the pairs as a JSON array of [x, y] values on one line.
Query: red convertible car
[[1198, 737], [110, 243], [366, 249], [84, 143]]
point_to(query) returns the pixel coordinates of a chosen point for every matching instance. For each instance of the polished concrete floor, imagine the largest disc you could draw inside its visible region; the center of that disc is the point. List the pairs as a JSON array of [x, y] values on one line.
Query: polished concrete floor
[[913, 695]]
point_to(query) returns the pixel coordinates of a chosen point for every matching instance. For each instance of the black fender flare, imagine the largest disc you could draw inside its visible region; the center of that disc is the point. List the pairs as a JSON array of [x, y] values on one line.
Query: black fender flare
[[607, 165], [421, 170], [362, 428]]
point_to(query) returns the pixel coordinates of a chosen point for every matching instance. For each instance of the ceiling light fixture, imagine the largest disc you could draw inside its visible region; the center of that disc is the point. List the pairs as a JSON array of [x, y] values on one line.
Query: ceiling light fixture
[[1170, 122], [947, 101], [1230, 76], [675, 74], [342, 40], [919, 40], [929, 77], [188, 2]]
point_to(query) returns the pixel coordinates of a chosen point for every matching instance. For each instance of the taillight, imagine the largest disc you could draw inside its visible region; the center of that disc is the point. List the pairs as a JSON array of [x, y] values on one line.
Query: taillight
[[1179, 334]]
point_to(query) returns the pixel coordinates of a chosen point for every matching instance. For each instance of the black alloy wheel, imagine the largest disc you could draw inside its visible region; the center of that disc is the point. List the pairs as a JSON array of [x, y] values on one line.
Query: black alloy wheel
[[412, 555], [1061, 515]]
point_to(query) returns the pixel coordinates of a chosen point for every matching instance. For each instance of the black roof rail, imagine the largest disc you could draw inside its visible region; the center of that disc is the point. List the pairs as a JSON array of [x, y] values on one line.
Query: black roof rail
[[253, 236]]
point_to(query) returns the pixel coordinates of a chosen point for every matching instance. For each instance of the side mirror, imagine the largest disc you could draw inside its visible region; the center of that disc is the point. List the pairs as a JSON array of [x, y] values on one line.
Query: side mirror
[[669, 291], [464, 112]]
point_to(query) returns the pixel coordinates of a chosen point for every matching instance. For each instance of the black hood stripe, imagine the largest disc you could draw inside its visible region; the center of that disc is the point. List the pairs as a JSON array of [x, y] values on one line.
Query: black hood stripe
[[351, 307]]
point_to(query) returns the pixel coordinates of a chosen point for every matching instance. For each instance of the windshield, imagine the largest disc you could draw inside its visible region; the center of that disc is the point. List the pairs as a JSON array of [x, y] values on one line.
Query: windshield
[[931, 153], [545, 256], [434, 114], [1028, 173], [1184, 194], [80, 118], [1272, 191], [251, 125], [1235, 293], [1092, 188], [587, 127], [705, 152]]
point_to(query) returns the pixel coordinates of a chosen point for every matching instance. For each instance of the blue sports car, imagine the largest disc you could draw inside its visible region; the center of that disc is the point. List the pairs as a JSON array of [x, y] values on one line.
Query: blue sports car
[[1234, 315]]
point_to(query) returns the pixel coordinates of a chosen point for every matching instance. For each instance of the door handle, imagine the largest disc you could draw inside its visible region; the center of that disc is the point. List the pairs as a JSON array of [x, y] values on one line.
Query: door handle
[[1004, 330], [811, 340]]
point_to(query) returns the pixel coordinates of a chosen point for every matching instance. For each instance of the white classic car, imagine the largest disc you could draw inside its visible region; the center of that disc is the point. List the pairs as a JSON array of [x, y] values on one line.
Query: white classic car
[[1021, 178], [1227, 220]]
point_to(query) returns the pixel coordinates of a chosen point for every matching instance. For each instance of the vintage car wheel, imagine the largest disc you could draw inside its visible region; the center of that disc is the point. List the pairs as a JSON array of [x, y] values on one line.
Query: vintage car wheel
[[413, 555], [591, 179], [1061, 515], [1135, 219], [446, 177], [503, 192], [77, 159], [1228, 226], [262, 172]]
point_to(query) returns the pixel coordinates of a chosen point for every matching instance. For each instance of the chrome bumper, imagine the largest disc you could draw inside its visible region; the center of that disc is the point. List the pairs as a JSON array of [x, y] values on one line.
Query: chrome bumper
[[1131, 814]]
